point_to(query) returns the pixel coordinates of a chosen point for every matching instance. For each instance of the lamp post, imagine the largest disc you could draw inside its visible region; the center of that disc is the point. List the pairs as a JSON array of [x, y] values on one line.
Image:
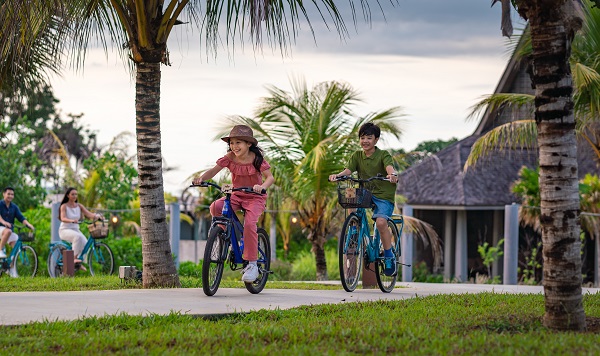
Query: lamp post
[[114, 220]]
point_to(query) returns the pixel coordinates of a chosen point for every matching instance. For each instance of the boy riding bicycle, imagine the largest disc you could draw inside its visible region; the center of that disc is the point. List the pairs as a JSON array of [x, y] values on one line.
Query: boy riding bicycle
[[369, 162]]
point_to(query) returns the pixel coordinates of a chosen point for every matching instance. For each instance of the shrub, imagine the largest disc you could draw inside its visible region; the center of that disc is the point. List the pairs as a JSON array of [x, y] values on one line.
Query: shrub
[[190, 269]]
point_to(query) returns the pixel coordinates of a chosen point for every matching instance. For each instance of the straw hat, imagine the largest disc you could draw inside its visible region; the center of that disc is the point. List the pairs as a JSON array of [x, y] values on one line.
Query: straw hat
[[241, 132]]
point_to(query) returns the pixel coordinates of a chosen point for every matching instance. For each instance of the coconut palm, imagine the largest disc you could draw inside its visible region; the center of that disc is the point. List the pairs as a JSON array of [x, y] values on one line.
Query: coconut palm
[[307, 135], [553, 25], [141, 28]]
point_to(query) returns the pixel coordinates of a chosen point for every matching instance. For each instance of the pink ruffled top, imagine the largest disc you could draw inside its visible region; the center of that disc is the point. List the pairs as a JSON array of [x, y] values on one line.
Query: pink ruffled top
[[243, 175]]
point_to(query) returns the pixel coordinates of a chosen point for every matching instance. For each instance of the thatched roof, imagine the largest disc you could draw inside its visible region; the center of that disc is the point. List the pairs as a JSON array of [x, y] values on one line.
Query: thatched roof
[[440, 180]]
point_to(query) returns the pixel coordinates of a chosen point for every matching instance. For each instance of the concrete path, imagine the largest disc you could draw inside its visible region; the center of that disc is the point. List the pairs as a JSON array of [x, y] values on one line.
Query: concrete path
[[25, 307]]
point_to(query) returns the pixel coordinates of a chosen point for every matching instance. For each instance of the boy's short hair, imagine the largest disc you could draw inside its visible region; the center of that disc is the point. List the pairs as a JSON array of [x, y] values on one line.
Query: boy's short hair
[[8, 188], [369, 128]]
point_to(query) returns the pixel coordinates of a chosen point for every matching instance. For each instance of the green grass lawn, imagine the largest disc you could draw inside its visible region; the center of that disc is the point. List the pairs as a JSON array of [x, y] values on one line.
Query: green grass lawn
[[445, 324], [484, 323], [78, 283]]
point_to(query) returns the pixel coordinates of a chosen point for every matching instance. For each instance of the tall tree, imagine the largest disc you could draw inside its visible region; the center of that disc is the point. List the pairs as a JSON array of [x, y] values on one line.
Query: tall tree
[[308, 134], [142, 28], [553, 24]]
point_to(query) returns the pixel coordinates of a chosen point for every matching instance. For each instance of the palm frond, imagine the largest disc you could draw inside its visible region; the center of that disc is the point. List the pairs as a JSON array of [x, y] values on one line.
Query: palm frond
[[518, 134], [498, 101]]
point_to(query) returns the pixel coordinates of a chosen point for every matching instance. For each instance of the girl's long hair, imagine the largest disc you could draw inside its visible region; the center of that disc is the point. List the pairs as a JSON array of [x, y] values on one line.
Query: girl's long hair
[[66, 199], [258, 157]]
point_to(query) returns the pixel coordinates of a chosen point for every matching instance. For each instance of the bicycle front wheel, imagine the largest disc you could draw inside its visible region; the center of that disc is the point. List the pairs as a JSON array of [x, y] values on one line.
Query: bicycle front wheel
[[101, 260], [350, 252], [26, 262], [264, 263], [387, 283], [215, 255], [55, 262]]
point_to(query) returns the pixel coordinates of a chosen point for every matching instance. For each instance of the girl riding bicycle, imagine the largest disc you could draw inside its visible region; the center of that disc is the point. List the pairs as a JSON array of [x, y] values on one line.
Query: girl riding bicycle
[[69, 214], [370, 162], [245, 161]]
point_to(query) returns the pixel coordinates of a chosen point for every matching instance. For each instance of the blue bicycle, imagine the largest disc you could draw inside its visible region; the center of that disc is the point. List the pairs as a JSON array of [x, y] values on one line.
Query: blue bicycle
[[23, 260], [357, 244], [225, 244], [99, 256]]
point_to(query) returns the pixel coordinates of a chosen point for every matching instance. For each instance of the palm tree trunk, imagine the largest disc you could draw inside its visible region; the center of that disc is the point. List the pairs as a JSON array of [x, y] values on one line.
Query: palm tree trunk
[[321, 261], [158, 267], [551, 34]]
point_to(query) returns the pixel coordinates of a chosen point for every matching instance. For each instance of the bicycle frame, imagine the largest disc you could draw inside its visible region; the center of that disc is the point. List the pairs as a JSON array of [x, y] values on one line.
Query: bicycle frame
[[234, 230], [372, 243], [13, 253], [88, 246]]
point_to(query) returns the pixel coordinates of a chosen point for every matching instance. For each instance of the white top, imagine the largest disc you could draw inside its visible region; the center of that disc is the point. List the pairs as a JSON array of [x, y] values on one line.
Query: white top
[[71, 214]]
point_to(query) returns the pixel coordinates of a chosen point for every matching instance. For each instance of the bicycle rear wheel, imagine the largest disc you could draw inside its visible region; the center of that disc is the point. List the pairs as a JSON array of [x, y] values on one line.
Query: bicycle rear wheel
[[264, 263], [55, 262], [215, 255], [26, 262], [101, 260], [387, 283], [350, 252]]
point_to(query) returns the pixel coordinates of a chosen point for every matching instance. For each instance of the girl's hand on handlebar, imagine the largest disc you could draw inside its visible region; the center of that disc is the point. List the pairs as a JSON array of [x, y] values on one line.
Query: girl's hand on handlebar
[[259, 189], [197, 181], [333, 177]]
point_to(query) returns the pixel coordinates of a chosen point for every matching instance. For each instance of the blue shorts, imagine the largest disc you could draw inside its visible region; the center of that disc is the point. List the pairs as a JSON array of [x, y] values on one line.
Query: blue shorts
[[382, 208]]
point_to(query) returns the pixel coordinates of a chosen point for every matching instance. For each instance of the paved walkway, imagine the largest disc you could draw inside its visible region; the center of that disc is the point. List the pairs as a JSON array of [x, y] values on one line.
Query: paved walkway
[[25, 307]]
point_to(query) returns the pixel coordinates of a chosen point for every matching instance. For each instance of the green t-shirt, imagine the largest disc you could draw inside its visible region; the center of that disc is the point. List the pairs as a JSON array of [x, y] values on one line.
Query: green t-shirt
[[371, 166]]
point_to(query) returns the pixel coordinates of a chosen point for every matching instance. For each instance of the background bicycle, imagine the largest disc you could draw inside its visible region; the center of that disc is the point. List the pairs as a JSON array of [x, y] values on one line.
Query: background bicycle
[[100, 257], [225, 244], [357, 244], [23, 259]]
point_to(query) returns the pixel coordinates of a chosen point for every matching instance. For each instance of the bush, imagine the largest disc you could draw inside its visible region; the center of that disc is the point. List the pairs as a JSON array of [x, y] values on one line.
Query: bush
[[282, 270], [304, 267], [421, 274], [190, 269], [127, 251]]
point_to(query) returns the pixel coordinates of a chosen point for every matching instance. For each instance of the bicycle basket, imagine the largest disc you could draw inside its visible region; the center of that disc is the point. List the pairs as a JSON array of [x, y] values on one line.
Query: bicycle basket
[[350, 198], [26, 236], [98, 230]]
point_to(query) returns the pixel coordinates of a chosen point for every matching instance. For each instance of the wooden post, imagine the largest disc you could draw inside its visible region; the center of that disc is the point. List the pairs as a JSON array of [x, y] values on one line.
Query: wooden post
[[369, 280], [68, 263]]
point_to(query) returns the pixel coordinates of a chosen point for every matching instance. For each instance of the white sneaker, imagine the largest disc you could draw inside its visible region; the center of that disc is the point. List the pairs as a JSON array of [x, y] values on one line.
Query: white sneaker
[[2, 254], [250, 273], [13, 273]]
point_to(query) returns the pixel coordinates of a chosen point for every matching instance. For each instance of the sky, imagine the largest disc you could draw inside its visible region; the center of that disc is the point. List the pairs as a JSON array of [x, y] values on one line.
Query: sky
[[433, 58]]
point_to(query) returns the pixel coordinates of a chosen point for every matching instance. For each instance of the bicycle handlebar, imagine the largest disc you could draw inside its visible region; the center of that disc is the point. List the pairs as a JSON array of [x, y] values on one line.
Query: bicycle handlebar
[[358, 180], [239, 189]]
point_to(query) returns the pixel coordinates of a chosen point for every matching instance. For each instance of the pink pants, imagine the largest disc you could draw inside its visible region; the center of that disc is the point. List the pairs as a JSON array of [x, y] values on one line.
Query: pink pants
[[254, 205]]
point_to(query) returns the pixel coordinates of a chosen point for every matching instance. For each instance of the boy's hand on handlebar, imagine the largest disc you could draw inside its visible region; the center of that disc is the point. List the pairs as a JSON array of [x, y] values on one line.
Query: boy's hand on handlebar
[[393, 178], [333, 177], [197, 181]]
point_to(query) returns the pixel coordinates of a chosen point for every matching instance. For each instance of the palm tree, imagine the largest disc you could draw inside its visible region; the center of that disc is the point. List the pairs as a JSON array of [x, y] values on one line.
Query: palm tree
[[143, 28], [307, 135], [553, 25]]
